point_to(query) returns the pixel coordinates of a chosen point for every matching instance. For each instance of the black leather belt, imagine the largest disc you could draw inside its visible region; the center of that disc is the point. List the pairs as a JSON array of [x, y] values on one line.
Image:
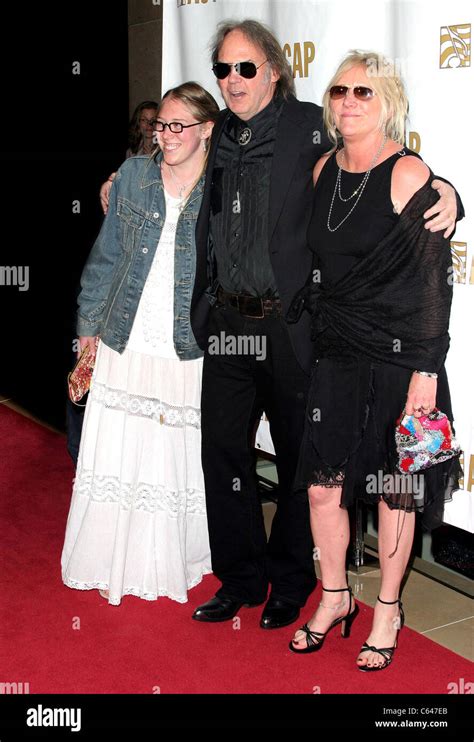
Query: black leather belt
[[250, 306]]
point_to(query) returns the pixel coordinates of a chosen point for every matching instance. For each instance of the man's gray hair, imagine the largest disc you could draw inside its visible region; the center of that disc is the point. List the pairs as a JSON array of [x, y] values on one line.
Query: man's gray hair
[[261, 36]]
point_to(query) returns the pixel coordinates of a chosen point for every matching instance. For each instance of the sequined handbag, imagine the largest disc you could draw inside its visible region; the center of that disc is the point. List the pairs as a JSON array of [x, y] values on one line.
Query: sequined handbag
[[79, 379], [424, 441]]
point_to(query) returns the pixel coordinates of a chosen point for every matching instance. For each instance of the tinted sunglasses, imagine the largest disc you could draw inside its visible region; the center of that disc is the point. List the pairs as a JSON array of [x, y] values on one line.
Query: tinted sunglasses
[[245, 69], [360, 92]]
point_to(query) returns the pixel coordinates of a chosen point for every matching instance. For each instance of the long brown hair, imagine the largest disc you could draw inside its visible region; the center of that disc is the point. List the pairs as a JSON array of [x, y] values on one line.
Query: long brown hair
[[134, 133], [197, 99]]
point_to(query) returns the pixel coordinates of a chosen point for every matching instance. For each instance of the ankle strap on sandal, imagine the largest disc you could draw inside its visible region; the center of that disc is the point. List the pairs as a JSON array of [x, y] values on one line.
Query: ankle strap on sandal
[[339, 590], [393, 602], [338, 605]]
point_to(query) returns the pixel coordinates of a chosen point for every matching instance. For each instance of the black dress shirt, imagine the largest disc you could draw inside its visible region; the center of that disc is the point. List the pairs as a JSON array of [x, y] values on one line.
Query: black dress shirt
[[240, 203]]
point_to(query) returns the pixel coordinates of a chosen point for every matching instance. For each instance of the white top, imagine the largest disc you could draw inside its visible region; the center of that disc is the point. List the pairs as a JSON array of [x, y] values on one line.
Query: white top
[[152, 331]]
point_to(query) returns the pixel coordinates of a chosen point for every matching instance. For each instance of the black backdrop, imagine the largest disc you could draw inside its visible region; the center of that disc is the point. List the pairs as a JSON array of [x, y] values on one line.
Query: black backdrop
[[61, 135]]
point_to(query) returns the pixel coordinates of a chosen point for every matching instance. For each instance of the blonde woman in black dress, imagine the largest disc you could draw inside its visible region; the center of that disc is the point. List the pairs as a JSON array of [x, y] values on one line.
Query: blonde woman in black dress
[[380, 297]]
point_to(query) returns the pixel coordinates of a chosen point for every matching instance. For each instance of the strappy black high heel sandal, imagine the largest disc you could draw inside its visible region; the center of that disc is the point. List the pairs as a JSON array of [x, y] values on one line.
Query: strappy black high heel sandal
[[385, 652], [314, 639]]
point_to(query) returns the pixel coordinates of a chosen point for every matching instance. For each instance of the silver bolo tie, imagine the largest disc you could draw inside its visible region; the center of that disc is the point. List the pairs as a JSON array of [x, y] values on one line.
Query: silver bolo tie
[[244, 138]]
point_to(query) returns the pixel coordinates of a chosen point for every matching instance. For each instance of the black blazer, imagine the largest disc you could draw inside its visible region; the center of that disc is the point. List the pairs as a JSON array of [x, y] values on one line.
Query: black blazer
[[291, 189]]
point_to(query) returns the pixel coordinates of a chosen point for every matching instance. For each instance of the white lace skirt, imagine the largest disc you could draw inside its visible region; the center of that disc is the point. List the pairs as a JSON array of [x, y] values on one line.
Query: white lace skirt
[[137, 522]]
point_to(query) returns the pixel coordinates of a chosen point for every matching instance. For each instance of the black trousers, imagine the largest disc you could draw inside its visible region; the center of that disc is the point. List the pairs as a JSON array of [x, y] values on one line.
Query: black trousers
[[237, 387], [74, 421]]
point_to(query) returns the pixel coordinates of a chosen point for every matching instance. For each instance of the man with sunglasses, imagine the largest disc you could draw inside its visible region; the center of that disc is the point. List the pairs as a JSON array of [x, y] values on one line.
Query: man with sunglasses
[[251, 260]]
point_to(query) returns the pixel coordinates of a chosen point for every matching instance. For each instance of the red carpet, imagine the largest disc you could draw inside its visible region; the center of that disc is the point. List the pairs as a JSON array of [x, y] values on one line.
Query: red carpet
[[65, 641]]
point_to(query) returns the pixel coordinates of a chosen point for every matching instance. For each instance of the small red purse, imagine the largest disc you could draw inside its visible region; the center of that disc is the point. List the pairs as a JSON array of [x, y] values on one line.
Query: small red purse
[[79, 379]]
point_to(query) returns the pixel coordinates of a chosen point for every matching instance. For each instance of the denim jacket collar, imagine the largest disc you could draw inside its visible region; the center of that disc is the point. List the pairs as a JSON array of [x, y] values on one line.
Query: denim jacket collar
[[152, 176]]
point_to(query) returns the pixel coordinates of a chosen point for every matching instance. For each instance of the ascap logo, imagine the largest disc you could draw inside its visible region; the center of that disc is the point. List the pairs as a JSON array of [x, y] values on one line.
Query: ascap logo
[[460, 263], [455, 46], [469, 485], [467, 465], [414, 141], [179, 3], [300, 56], [459, 255], [470, 481]]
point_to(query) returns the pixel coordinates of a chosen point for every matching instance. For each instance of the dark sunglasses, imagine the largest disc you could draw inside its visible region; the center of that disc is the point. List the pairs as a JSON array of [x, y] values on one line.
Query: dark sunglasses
[[244, 69], [360, 92]]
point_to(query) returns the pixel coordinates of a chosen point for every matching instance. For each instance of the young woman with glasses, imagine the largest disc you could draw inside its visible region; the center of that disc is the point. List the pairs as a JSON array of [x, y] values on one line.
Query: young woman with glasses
[[137, 523]]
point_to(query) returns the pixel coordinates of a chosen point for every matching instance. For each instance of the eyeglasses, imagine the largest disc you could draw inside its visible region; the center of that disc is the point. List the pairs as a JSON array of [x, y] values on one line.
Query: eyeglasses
[[360, 92], [245, 69], [174, 126]]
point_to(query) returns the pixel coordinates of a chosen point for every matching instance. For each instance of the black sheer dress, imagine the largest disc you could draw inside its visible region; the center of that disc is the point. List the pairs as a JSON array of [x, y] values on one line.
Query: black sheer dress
[[357, 391]]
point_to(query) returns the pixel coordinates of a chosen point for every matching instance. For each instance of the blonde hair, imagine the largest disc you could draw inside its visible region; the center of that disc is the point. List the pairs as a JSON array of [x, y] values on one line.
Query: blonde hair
[[387, 84]]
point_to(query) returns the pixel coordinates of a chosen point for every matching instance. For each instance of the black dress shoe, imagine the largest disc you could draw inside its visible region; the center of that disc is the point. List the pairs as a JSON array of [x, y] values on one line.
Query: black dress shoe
[[220, 609], [278, 613]]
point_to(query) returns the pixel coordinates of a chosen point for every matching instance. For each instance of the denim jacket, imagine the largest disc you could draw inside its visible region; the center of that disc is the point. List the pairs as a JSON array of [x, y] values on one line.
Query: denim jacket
[[120, 260]]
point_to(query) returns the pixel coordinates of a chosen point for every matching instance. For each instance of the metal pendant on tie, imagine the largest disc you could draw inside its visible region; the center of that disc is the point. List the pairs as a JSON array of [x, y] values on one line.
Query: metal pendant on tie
[[245, 136]]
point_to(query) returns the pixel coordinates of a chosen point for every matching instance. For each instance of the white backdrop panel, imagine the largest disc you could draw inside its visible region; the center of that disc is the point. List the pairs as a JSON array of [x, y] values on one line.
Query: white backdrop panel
[[315, 34]]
